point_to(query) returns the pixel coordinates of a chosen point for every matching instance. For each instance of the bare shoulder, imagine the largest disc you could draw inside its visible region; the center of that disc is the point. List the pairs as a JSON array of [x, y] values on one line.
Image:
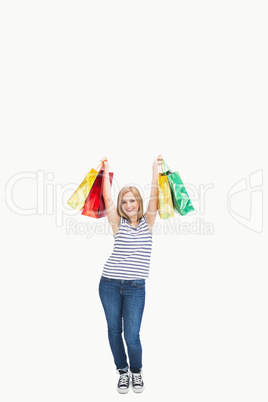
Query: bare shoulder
[[112, 215], [150, 222], [116, 224]]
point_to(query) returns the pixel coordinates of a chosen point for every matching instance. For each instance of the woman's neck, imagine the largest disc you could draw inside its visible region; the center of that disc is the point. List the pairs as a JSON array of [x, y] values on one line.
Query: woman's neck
[[133, 221]]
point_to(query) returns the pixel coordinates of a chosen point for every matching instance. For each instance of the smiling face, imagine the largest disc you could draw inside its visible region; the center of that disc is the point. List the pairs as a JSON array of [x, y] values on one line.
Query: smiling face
[[130, 205]]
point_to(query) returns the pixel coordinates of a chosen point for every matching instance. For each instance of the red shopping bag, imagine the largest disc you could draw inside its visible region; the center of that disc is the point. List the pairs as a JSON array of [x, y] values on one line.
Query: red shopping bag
[[94, 204]]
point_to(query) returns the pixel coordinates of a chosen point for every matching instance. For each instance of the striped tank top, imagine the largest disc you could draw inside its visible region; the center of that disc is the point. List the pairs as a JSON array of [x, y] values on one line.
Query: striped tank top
[[131, 254]]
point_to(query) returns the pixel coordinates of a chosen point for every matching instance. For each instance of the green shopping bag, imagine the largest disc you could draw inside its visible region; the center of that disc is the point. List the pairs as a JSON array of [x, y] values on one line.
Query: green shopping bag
[[180, 197]]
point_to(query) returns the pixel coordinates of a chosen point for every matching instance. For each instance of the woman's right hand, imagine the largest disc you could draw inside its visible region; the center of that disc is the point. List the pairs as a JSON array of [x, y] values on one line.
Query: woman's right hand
[[105, 164]]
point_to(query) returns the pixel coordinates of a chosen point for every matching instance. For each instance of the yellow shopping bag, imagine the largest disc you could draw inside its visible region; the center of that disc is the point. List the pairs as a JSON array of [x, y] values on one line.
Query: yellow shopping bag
[[78, 199], [165, 203]]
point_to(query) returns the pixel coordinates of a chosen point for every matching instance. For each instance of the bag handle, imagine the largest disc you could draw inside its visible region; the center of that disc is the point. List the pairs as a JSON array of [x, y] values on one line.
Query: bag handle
[[100, 164], [164, 166], [167, 165]]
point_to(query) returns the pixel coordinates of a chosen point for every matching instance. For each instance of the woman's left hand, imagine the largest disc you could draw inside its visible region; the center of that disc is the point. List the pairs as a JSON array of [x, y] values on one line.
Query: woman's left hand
[[158, 161]]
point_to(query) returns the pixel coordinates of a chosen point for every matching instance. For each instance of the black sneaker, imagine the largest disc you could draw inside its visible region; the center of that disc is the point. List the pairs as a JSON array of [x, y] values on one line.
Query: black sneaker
[[137, 382], [123, 383]]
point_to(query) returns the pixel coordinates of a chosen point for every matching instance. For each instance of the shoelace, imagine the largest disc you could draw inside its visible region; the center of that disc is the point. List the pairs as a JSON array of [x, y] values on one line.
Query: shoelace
[[123, 380], [136, 379]]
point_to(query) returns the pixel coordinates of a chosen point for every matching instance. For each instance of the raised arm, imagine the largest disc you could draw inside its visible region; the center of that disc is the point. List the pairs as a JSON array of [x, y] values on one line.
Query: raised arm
[[106, 191], [153, 202], [112, 214]]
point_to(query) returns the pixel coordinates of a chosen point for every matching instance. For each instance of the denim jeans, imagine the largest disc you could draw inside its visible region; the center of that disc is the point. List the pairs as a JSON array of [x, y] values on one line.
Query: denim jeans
[[123, 304]]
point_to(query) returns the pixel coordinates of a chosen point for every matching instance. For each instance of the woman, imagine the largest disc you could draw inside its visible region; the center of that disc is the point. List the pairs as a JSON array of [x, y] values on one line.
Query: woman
[[122, 284]]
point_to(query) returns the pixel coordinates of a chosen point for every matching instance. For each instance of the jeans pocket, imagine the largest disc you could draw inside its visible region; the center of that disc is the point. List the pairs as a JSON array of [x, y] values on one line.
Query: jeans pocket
[[138, 283], [104, 279]]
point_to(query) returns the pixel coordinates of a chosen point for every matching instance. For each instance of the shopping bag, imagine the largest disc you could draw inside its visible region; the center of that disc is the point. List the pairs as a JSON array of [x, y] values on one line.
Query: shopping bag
[[94, 204], [165, 204], [181, 201], [77, 200]]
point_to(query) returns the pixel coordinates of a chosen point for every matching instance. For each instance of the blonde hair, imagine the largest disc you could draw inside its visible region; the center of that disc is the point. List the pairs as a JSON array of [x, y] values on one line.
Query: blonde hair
[[138, 197]]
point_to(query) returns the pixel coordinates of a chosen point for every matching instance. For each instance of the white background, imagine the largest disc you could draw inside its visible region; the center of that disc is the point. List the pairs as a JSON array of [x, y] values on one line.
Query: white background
[[132, 80]]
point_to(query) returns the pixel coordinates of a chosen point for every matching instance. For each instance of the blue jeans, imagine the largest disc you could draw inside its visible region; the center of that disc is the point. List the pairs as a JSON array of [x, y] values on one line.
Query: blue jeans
[[123, 303]]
